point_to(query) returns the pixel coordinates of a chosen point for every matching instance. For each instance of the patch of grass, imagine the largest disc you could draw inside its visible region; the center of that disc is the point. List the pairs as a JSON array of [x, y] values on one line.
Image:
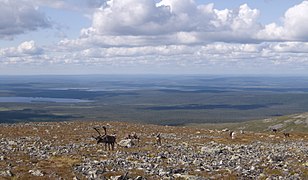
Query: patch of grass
[[61, 165], [63, 161], [273, 172]]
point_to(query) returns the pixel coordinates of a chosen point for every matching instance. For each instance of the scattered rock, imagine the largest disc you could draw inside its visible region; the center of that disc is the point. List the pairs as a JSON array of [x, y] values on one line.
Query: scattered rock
[[139, 178], [126, 143], [183, 156], [6, 173], [187, 177], [12, 143], [276, 126], [36, 172]]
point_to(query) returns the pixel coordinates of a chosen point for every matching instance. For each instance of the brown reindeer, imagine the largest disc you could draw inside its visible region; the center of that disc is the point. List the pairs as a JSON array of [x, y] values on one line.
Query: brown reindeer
[[158, 139], [286, 135], [133, 136], [232, 134], [108, 140]]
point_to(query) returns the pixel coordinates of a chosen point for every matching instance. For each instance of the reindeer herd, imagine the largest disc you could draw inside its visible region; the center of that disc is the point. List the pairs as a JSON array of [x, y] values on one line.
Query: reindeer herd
[[110, 140]]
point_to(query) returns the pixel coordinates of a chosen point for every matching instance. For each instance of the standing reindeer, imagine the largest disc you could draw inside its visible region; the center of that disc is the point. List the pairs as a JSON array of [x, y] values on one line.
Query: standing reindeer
[[108, 140], [232, 134], [275, 130], [158, 139], [286, 135], [133, 136]]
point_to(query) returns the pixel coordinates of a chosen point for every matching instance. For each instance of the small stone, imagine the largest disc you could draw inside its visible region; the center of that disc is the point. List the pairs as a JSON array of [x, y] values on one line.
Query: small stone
[[261, 175], [6, 173], [138, 178], [99, 151], [9, 173], [186, 177], [12, 143], [235, 157], [162, 172], [197, 162], [36, 172], [126, 143], [225, 130], [115, 177]]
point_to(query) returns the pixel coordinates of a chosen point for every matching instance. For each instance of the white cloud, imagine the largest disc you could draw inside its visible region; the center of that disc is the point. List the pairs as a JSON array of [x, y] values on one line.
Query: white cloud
[[294, 26], [175, 35], [17, 17], [130, 17], [295, 21], [213, 57], [27, 48], [177, 19]]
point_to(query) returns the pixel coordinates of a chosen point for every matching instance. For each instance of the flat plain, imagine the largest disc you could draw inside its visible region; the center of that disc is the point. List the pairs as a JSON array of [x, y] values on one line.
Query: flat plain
[[164, 100]]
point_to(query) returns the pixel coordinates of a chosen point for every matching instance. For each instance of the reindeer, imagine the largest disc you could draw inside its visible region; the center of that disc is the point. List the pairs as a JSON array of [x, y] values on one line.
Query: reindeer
[[158, 139], [286, 135], [133, 136], [232, 134], [108, 140]]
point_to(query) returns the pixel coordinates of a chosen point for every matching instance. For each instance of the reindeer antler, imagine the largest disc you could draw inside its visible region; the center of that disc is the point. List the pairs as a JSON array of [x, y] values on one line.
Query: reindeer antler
[[105, 129], [97, 131]]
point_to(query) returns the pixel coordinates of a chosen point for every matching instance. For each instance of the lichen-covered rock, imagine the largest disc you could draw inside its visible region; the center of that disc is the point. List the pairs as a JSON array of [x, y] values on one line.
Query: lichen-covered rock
[[126, 143], [36, 172]]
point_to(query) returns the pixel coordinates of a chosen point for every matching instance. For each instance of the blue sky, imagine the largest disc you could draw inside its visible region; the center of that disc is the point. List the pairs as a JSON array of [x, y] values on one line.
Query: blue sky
[[153, 36]]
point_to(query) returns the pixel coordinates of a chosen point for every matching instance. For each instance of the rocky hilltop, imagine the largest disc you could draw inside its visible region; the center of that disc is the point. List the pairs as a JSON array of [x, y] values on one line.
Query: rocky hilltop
[[67, 150]]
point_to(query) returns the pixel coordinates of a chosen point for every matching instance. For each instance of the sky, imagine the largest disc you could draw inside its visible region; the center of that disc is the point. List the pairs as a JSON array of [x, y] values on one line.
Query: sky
[[154, 37]]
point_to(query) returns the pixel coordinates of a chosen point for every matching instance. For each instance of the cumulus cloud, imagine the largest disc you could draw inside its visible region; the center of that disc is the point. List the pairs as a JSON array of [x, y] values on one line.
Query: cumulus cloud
[[294, 26], [17, 17], [295, 21], [131, 17], [183, 20], [174, 34], [27, 48], [213, 57]]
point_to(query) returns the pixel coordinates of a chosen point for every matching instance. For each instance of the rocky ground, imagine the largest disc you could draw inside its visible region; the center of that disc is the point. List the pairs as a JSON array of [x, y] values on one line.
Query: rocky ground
[[66, 150]]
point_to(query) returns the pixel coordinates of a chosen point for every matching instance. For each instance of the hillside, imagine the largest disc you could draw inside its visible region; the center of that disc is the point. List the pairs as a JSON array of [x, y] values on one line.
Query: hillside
[[289, 123], [53, 150]]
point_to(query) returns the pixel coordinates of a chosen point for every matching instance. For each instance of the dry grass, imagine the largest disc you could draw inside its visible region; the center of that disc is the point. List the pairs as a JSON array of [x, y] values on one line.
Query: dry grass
[[80, 132]]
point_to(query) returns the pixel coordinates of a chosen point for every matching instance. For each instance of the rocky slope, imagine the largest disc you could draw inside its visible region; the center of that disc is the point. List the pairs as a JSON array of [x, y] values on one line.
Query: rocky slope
[[67, 150], [289, 123]]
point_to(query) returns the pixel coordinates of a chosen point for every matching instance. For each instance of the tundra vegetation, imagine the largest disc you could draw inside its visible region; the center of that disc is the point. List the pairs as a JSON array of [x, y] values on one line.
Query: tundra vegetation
[[53, 150]]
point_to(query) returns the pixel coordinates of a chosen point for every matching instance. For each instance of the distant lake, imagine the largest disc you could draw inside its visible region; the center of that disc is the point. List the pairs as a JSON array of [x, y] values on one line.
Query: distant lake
[[39, 99]]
